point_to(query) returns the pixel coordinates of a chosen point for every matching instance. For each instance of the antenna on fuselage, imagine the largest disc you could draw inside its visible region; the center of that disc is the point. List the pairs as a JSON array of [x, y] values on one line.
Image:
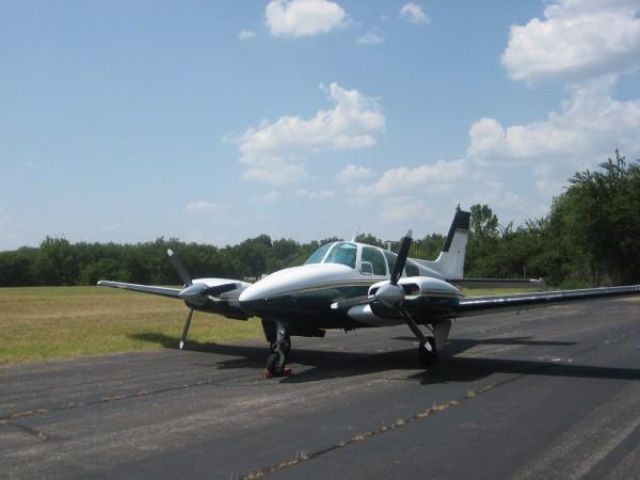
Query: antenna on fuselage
[[355, 235]]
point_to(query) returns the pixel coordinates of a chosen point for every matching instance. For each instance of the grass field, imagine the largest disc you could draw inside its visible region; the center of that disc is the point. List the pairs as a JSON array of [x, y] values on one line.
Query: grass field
[[53, 322], [41, 323]]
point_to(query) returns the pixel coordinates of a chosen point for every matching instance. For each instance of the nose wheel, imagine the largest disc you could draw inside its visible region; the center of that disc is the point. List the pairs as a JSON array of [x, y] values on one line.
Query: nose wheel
[[280, 348]]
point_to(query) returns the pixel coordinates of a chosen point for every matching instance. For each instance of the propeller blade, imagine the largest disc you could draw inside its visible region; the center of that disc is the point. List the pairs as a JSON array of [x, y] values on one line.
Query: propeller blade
[[179, 266], [185, 330], [402, 258]]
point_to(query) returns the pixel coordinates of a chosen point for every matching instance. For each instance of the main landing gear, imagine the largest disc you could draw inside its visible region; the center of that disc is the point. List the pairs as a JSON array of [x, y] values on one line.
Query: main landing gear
[[280, 344], [428, 351], [427, 348]]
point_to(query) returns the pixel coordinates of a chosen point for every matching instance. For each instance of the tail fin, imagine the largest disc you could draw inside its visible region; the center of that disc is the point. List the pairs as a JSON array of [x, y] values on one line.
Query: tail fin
[[450, 262]]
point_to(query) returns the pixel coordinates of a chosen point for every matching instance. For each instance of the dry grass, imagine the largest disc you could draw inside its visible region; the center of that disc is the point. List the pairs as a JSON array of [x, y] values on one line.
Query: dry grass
[[55, 322]]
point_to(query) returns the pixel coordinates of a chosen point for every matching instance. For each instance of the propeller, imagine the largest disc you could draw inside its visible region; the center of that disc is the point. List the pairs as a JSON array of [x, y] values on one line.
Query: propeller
[[179, 266], [390, 294], [194, 294]]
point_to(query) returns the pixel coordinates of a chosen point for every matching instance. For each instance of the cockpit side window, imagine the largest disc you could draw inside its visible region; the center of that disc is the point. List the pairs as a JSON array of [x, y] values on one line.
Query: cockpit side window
[[343, 253], [373, 255], [318, 255]]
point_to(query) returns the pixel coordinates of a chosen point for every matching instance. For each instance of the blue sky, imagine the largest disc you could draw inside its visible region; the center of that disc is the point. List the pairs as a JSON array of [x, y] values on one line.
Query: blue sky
[[217, 121]]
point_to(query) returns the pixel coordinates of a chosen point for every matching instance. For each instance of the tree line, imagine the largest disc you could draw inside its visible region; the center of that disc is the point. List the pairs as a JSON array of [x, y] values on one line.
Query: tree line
[[589, 237]]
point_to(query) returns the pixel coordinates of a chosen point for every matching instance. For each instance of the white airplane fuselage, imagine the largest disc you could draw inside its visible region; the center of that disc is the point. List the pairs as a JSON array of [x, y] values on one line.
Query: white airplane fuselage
[[305, 295]]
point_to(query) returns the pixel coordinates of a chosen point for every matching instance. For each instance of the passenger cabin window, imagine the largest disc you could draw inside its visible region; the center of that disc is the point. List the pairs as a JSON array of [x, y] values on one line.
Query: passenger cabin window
[[411, 269], [375, 258], [343, 253]]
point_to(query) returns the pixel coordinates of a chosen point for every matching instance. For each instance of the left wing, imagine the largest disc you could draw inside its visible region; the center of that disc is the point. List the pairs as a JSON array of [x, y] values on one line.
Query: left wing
[[479, 305]]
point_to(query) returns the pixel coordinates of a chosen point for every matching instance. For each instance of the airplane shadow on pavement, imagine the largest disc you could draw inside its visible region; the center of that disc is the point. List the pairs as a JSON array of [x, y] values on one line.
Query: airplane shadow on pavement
[[452, 366]]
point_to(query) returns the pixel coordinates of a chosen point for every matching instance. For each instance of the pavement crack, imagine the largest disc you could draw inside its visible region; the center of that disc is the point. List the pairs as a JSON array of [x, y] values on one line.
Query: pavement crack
[[31, 431], [435, 409], [106, 399]]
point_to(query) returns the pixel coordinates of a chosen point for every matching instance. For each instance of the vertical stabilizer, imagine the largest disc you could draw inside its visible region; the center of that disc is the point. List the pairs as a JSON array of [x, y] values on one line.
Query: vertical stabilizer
[[450, 262]]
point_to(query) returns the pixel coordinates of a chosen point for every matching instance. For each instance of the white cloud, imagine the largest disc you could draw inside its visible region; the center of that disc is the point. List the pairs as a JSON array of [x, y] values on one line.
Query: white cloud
[[202, 207], [271, 197], [273, 170], [370, 39], [353, 173], [587, 42], [315, 195], [404, 211], [433, 177], [413, 13], [246, 34], [301, 18], [591, 124], [275, 152], [576, 39]]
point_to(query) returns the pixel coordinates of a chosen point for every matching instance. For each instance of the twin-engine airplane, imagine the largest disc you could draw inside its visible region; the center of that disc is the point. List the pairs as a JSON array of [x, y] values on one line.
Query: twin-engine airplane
[[350, 285]]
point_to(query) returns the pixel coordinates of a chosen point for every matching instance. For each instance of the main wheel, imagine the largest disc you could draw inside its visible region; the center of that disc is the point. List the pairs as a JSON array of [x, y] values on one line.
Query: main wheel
[[428, 352], [275, 364]]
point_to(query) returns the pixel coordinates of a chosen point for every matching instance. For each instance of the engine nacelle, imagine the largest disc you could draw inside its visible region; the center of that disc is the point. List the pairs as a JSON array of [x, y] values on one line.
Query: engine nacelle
[[415, 287]]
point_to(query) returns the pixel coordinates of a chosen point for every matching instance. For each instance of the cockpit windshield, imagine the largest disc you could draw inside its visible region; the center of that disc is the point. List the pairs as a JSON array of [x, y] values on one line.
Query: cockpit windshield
[[343, 253], [318, 255], [340, 252]]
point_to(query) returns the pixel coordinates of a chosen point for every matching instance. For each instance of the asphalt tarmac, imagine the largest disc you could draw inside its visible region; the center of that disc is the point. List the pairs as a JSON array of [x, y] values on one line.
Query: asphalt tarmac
[[549, 393]]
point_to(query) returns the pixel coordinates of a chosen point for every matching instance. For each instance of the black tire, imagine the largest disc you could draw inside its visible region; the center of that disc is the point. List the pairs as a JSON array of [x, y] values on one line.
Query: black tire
[[275, 364], [428, 355]]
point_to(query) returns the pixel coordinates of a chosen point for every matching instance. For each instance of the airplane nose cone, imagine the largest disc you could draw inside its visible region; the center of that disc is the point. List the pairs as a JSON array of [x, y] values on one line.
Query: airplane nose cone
[[249, 294]]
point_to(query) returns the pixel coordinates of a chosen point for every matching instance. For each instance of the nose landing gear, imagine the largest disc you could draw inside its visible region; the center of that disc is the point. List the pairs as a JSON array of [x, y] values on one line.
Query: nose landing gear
[[280, 343]]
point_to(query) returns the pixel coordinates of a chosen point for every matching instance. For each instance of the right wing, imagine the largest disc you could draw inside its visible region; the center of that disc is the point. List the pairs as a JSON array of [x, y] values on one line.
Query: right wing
[[162, 291], [499, 282], [469, 306]]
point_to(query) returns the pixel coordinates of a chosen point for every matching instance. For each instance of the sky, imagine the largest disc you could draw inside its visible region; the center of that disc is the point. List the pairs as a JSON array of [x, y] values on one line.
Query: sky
[[214, 121]]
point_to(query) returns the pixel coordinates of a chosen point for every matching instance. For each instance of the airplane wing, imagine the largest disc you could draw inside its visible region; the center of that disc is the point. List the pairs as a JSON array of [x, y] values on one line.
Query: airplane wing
[[469, 306], [163, 291], [499, 282]]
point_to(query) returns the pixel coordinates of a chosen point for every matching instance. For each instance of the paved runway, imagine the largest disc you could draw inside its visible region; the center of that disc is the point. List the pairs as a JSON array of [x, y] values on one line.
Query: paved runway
[[549, 393]]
